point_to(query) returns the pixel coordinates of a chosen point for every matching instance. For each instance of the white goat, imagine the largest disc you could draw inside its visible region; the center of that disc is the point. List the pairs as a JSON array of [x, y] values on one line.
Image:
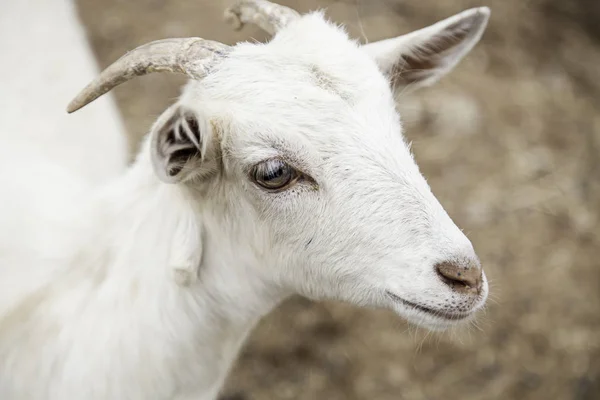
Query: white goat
[[48, 59], [281, 169]]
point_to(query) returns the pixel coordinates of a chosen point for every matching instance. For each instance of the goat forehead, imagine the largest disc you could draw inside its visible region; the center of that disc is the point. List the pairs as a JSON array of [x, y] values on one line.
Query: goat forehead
[[302, 92], [267, 78], [309, 81], [310, 57], [327, 125], [326, 120], [302, 104]]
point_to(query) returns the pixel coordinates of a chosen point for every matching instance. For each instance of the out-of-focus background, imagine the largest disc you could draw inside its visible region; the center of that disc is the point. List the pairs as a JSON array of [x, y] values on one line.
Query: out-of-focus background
[[510, 143]]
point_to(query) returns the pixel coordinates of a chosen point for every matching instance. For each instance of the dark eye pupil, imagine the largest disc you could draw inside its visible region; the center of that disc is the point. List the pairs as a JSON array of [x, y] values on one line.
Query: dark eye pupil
[[274, 171], [273, 174]]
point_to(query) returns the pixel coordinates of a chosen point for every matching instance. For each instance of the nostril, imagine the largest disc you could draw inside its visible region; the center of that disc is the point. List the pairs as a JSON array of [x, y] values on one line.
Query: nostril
[[460, 276]]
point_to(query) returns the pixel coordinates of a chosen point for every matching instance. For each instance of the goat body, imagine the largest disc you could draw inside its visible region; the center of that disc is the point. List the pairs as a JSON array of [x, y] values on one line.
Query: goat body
[[91, 307]]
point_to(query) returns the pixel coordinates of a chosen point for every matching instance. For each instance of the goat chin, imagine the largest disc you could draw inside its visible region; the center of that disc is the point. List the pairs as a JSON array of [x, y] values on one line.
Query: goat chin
[[281, 169]]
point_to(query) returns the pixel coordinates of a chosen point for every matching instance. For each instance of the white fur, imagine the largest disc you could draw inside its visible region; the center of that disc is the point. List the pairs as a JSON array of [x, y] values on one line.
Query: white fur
[[142, 289], [45, 60]]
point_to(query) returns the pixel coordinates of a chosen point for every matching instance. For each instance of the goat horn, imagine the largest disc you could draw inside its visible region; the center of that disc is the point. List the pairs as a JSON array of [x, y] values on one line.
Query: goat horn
[[191, 56], [268, 16]]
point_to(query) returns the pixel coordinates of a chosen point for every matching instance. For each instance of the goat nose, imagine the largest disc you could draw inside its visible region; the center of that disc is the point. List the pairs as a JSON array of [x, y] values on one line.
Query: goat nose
[[463, 277]]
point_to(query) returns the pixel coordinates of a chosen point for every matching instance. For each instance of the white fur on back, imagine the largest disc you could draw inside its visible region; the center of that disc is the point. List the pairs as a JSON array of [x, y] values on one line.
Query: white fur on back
[[46, 60]]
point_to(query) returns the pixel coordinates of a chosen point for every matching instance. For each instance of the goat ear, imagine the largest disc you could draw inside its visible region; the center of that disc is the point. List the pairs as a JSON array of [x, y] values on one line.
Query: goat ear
[[178, 144], [422, 57]]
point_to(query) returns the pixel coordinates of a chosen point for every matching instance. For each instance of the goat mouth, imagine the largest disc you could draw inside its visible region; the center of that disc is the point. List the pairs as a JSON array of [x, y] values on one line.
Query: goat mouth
[[442, 314]]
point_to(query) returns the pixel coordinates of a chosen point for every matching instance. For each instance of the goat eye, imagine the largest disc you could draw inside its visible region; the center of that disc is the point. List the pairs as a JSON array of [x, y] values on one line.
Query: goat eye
[[274, 175]]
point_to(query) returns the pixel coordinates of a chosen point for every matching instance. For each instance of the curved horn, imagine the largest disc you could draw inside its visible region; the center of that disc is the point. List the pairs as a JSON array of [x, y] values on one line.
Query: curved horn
[[191, 56], [268, 16]]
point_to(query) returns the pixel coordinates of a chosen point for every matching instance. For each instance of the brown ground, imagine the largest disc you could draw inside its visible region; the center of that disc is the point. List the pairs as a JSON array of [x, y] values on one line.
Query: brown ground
[[510, 144]]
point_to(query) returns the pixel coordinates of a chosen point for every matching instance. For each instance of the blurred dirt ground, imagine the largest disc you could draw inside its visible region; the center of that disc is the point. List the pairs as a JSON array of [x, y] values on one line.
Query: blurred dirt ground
[[510, 142]]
